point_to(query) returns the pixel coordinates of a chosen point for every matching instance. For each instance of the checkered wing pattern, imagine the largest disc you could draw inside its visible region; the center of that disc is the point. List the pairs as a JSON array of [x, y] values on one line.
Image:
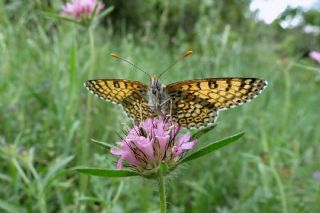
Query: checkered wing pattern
[[196, 103], [131, 95]]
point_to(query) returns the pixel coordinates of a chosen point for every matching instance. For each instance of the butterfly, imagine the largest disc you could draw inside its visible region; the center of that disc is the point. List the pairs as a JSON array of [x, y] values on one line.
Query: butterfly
[[191, 103]]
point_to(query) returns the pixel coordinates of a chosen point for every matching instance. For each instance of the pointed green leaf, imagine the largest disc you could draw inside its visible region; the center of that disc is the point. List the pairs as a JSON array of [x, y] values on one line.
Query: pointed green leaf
[[10, 208], [212, 147], [59, 17], [105, 172], [106, 12], [201, 132], [56, 170], [100, 16], [102, 144]]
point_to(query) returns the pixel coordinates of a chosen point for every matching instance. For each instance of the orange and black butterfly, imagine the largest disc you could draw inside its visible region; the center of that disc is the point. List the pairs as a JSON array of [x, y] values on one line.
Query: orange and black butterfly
[[192, 103]]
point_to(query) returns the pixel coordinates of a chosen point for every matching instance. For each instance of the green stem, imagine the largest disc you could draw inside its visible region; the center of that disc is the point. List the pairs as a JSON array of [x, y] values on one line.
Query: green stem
[[42, 203], [92, 52], [162, 192], [20, 171], [280, 186], [3, 13], [84, 145]]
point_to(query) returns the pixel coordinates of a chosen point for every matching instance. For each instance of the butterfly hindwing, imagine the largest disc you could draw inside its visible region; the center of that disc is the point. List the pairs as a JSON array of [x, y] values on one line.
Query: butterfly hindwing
[[191, 111], [195, 103], [192, 103], [130, 94]]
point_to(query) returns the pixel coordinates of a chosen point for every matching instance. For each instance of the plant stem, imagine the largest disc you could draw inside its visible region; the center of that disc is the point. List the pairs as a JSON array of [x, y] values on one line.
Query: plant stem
[[280, 186], [162, 192], [42, 203], [84, 145]]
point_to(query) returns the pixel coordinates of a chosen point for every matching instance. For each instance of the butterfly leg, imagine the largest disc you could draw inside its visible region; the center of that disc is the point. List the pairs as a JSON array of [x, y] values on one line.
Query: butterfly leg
[[164, 109]]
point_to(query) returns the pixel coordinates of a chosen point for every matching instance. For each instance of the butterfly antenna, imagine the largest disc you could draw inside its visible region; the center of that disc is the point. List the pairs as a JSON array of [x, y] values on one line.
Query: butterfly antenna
[[125, 60], [186, 54]]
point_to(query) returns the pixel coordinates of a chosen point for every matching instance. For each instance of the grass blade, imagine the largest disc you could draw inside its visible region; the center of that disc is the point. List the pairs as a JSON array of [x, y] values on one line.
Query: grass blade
[[102, 144], [212, 147], [201, 132], [55, 170], [59, 17], [10, 208], [105, 172]]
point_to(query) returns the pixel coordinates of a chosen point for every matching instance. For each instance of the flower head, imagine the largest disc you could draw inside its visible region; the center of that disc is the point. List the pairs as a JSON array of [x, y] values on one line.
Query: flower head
[[81, 9], [315, 55], [153, 141]]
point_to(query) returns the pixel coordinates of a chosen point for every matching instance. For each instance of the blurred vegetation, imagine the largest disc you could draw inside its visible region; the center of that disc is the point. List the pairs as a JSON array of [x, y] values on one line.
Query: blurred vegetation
[[44, 62], [304, 35]]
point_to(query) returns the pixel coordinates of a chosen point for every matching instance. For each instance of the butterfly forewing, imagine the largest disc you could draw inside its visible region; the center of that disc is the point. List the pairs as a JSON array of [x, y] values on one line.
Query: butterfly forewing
[[195, 103], [132, 95]]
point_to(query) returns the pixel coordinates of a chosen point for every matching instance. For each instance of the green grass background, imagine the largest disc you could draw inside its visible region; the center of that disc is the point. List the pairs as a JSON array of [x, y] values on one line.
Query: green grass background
[[45, 128]]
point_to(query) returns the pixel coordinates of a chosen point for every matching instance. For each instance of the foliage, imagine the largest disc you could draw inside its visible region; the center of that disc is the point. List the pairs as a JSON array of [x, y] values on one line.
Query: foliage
[[176, 16], [303, 25], [44, 62]]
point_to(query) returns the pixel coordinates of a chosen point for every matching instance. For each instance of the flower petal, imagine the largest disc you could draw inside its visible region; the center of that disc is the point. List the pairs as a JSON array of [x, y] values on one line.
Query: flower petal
[[152, 141], [176, 150], [145, 145], [119, 164], [314, 55], [184, 138], [125, 153], [163, 141], [115, 151], [188, 145], [81, 8]]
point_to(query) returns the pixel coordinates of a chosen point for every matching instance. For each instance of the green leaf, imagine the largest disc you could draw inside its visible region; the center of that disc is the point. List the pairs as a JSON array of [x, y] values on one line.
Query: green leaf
[[201, 132], [56, 170], [10, 208], [105, 12], [212, 147], [101, 16], [59, 17], [102, 144], [105, 172]]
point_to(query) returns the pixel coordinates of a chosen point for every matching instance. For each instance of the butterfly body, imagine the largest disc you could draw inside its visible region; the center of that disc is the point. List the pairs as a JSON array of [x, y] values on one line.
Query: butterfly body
[[156, 96], [192, 103]]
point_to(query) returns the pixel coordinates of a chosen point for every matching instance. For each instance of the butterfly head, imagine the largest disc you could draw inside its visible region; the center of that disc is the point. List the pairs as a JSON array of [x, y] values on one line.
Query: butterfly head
[[155, 85], [156, 95]]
